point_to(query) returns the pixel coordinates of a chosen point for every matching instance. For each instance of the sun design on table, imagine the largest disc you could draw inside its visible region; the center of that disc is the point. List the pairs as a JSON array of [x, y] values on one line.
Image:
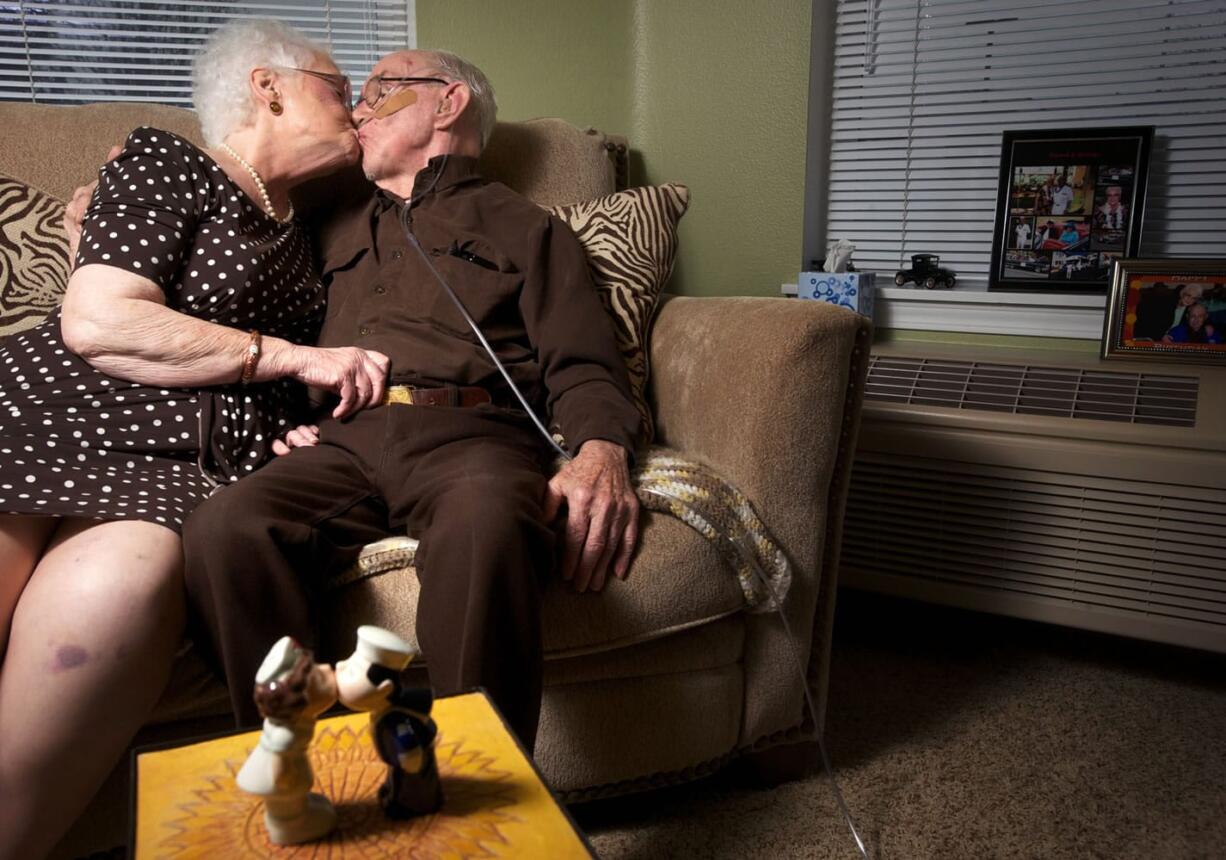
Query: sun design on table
[[224, 822]]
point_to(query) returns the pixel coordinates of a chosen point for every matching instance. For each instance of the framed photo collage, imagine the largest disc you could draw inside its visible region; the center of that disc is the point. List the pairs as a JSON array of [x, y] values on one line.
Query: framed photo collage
[[1070, 203]]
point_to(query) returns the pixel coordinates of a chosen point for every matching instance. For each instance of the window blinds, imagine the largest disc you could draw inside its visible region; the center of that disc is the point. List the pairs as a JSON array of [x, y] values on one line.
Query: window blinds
[[924, 88], [137, 50]]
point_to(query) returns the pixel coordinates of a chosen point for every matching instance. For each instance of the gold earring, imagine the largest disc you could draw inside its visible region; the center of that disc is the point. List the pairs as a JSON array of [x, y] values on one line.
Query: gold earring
[[275, 107]]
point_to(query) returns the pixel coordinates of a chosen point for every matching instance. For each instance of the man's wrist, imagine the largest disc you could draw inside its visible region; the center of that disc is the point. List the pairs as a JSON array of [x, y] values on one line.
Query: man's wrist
[[604, 447]]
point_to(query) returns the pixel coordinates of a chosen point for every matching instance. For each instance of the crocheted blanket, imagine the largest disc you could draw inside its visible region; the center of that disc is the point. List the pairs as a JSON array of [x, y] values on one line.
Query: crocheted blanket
[[690, 491], [702, 499]]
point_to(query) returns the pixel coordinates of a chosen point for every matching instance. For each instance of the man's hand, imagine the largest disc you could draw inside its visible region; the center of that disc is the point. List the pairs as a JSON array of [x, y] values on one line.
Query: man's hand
[[74, 212], [602, 519], [302, 436]]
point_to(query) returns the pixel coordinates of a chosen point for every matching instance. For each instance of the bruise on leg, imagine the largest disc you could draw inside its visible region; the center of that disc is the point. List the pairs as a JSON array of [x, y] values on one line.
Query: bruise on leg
[[69, 657]]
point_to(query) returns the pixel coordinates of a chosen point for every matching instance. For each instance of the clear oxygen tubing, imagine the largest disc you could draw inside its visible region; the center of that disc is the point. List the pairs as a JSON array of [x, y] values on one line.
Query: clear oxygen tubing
[[406, 225]]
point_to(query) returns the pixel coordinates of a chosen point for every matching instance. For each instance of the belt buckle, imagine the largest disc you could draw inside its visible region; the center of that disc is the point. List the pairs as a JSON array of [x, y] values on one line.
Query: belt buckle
[[398, 394]]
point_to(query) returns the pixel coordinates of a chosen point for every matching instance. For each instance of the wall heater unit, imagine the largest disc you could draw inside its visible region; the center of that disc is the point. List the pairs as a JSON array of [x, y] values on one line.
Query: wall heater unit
[[1045, 485]]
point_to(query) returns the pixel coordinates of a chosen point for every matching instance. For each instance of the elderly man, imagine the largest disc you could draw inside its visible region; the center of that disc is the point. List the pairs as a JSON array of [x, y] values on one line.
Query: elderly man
[[452, 459], [1113, 213]]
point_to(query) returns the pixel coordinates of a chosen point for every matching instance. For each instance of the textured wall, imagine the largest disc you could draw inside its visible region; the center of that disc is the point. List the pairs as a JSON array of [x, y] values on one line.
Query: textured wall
[[712, 93], [566, 58], [720, 104]]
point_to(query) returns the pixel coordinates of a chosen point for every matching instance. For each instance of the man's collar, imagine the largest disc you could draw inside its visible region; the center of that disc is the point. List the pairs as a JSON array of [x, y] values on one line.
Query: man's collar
[[442, 172]]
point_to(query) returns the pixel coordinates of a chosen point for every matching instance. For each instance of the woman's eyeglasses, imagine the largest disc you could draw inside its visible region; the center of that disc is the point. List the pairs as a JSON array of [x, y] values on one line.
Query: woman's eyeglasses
[[339, 84]]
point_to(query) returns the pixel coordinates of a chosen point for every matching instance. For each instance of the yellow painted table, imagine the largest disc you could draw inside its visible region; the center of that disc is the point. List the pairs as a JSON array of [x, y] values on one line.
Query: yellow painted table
[[495, 804]]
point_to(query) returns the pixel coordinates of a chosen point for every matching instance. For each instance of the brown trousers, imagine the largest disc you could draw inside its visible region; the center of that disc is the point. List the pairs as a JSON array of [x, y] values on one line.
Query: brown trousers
[[467, 482]]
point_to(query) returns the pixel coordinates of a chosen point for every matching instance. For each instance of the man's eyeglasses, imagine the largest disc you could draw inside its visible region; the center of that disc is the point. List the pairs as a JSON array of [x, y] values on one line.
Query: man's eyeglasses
[[339, 84], [374, 88]]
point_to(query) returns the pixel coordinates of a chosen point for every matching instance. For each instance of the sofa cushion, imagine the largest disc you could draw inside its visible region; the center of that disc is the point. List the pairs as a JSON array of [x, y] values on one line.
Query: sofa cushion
[[33, 255], [677, 581], [631, 241], [550, 161], [59, 147]]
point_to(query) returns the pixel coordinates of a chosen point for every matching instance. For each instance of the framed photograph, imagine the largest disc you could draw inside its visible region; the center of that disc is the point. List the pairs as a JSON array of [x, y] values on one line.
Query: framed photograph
[[1069, 204], [1170, 309]]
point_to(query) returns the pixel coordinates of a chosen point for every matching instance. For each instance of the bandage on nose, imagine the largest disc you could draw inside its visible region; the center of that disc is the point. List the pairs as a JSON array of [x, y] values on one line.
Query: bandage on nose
[[396, 102]]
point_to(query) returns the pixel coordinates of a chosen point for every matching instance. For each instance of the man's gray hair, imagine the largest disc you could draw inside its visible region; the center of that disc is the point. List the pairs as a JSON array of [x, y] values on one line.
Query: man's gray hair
[[483, 102], [221, 73]]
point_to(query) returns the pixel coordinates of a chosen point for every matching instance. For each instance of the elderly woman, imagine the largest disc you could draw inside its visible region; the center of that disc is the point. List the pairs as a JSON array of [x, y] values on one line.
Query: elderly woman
[[174, 362]]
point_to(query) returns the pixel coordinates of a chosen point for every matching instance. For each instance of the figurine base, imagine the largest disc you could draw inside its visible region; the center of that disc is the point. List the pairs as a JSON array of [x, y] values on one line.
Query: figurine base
[[313, 820]]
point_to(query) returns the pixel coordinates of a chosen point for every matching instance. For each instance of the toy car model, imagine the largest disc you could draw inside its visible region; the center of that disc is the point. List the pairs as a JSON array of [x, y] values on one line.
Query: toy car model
[[924, 270]]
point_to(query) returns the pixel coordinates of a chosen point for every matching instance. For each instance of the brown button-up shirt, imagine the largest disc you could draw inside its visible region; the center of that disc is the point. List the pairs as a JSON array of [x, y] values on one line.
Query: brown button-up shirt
[[521, 274]]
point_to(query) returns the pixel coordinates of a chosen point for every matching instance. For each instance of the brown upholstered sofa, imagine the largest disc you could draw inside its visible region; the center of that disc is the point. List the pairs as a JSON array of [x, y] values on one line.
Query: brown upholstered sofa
[[662, 677]]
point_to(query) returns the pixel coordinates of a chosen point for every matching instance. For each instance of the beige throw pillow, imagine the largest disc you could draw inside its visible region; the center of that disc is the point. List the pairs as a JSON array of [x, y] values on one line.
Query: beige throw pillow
[[33, 255], [631, 241]]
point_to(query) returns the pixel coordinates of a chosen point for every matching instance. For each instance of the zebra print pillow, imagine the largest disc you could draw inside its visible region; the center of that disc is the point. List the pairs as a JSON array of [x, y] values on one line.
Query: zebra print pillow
[[631, 241], [33, 255]]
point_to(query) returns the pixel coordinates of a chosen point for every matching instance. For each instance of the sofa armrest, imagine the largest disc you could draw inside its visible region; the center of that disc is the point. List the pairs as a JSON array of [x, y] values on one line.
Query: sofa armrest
[[768, 392], [758, 388]]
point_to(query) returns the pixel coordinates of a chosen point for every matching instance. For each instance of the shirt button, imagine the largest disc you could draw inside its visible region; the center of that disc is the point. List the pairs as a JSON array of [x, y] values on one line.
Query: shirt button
[[363, 330], [396, 255], [380, 290]]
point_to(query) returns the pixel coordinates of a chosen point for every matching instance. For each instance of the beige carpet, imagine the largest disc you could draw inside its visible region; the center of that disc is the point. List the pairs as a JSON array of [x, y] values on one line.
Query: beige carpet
[[960, 735]]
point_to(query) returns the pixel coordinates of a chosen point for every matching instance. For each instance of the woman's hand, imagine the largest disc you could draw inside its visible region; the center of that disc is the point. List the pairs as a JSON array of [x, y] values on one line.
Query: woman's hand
[[358, 376], [302, 436], [74, 211]]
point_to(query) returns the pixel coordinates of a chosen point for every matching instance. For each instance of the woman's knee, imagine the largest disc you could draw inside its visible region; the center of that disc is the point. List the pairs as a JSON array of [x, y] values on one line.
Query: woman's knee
[[116, 567]]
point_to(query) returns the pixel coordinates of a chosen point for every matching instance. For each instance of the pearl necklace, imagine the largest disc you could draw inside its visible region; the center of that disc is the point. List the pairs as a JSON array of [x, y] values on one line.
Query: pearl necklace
[[259, 184]]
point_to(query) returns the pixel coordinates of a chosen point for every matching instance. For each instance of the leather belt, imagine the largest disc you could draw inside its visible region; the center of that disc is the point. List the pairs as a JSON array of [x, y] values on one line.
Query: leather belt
[[464, 397]]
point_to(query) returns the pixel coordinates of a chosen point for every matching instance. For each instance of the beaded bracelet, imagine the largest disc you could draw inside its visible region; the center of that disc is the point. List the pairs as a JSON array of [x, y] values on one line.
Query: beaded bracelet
[[250, 359]]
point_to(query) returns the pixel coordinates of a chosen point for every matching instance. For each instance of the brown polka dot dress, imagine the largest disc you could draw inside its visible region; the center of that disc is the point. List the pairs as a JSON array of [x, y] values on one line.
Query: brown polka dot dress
[[77, 442]]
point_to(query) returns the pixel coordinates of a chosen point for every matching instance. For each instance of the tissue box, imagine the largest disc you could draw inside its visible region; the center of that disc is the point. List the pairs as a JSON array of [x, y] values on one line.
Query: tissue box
[[850, 289]]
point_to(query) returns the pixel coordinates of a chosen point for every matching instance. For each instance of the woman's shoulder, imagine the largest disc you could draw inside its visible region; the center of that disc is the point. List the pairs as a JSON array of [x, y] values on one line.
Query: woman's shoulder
[[151, 153], [162, 146]]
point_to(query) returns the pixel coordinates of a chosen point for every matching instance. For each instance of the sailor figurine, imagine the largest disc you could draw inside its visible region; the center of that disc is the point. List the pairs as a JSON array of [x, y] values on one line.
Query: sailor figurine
[[291, 690], [400, 724]]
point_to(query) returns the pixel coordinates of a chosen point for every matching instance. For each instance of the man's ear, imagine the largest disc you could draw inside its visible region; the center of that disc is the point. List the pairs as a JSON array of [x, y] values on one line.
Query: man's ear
[[451, 106]]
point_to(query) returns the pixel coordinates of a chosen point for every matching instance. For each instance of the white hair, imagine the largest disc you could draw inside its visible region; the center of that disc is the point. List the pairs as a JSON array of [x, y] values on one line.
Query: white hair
[[483, 101], [221, 73]]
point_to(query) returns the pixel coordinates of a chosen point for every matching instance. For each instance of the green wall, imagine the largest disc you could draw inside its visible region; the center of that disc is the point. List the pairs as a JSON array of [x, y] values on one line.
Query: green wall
[[567, 58], [711, 93]]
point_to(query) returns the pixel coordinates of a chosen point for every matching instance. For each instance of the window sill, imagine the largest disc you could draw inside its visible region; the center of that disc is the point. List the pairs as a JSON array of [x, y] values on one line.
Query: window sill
[[974, 309]]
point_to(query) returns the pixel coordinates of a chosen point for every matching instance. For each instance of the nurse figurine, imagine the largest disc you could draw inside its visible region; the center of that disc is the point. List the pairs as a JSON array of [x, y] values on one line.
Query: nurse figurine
[[291, 691]]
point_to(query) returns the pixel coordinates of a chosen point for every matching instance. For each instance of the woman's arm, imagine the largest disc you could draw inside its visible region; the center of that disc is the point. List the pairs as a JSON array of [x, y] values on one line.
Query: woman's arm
[[119, 323]]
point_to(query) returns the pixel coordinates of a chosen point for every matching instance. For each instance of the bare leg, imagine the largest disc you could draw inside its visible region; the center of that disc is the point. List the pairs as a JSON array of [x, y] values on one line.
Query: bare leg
[[93, 638], [22, 541]]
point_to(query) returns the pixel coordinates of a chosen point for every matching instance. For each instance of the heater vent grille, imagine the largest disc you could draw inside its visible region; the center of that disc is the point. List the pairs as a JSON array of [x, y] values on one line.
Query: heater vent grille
[[1068, 392], [1150, 552]]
